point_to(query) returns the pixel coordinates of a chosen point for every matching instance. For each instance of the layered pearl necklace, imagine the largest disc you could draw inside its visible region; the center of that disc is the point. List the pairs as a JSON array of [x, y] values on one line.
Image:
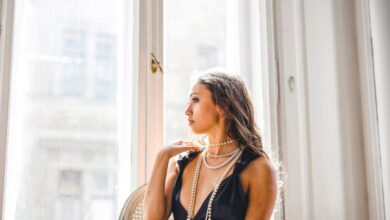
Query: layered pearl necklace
[[222, 155], [232, 156], [219, 144], [235, 157]]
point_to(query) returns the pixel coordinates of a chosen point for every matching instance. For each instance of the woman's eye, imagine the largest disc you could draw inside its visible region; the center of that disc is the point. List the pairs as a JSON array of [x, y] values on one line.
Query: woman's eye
[[192, 100]]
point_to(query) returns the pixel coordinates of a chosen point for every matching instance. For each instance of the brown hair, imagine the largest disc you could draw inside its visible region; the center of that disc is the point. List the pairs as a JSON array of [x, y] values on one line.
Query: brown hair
[[229, 92]]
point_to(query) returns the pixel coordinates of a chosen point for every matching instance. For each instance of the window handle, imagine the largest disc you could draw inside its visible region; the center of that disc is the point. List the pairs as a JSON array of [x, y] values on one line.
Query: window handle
[[155, 64]]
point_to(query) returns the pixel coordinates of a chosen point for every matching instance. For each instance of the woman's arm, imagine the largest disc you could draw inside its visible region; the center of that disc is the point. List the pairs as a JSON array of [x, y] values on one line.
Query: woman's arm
[[158, 192], [262, 190], [155, 203], [173, 171]]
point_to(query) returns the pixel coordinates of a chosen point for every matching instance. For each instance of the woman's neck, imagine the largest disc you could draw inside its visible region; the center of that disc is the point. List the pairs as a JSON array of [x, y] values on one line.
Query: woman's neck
[[223, 149]]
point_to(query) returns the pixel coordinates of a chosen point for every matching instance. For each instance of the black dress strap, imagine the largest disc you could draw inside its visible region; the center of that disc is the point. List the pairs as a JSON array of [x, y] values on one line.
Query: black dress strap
[[184, 158], [247, 156]]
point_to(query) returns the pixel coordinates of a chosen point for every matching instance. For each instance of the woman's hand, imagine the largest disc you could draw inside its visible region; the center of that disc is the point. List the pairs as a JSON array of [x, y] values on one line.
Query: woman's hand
[[178, 147], [158, 193]]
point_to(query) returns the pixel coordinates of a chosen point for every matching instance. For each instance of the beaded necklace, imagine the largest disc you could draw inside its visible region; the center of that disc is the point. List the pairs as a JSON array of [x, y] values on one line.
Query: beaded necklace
[[219, 144], [223, 155], [222, 164], [195, 183]]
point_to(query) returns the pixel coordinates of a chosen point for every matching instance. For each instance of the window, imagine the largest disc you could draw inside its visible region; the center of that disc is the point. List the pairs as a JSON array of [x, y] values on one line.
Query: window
[[68, 138], [86, 113]]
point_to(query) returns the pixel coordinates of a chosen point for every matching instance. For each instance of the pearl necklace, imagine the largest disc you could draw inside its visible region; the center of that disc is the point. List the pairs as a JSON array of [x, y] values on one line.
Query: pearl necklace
[[222, 164], [222, 155], [219, 144], [195, 183], [193, 189]]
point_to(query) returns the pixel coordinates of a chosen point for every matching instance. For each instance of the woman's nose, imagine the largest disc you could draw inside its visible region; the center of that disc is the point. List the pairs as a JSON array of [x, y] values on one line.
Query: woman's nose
[[188, 110]]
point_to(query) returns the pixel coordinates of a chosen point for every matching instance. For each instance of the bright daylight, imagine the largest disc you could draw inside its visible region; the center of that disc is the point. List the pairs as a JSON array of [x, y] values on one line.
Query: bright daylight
[[194, 110]]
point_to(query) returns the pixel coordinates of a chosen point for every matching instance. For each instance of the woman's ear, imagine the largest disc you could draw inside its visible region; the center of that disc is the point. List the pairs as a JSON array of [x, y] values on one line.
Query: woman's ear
[[221, 113]]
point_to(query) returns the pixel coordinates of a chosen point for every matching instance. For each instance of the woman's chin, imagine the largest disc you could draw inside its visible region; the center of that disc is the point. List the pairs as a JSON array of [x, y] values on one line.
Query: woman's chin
[[195, 131]]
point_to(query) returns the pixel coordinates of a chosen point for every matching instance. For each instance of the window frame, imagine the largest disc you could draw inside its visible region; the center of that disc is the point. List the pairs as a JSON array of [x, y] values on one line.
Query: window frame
[[271, 90], [6, 32], [150, 86], [374, 164]]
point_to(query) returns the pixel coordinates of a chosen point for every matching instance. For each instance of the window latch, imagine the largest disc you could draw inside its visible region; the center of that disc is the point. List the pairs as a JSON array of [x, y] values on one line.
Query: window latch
[[155, 64]]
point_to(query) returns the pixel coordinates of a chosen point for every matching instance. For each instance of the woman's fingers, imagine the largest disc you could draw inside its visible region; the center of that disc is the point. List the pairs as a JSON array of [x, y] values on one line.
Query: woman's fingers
[[188, 144], [178, 143], [194, 148], [182, 146]]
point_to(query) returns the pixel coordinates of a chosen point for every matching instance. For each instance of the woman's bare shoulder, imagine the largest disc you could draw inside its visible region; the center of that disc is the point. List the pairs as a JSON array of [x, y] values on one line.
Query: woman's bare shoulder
[[260, 168], [173, 166]]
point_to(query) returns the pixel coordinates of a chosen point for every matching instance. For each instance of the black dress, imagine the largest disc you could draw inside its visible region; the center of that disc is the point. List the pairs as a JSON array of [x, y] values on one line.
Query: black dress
[[230, 202]]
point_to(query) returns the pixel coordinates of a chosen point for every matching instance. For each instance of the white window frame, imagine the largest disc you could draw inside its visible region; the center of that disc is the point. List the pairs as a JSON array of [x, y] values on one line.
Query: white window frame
[[6, 15], [293, 135], [371, 133], [150, 116], [375, 153], [270, 84]]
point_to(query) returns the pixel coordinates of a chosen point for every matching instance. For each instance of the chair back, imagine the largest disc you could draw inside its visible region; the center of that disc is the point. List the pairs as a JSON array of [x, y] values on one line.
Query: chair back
[[133, 208]]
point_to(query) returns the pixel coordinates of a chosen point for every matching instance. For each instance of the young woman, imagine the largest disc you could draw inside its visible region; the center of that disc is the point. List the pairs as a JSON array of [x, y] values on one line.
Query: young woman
[[230, 177]]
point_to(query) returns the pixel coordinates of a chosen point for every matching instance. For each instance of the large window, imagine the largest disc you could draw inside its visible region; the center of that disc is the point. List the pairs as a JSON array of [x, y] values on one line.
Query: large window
[[86, 115], [66, 134]]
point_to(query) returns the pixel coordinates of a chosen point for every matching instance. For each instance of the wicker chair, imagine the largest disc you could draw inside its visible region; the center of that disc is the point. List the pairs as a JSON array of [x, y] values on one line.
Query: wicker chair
[[133, 209]]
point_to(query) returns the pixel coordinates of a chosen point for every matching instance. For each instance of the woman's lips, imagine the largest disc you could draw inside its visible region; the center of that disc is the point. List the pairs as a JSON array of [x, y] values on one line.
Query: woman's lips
[[190, 122]]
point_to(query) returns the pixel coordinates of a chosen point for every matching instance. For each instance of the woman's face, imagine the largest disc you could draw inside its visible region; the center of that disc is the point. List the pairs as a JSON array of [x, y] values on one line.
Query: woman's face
[[202, 114]]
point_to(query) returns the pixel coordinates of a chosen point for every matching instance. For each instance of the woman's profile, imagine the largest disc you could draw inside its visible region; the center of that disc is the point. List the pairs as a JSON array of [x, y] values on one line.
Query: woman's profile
[[229, 176]]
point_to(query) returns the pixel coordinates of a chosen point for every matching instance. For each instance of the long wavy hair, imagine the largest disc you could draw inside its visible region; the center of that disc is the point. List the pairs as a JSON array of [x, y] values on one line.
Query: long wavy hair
[[230, 93]]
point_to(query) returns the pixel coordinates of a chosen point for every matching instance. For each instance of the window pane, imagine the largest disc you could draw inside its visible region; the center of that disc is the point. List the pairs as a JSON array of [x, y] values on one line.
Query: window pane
[[68, 147], [218, 33], [185, 54]]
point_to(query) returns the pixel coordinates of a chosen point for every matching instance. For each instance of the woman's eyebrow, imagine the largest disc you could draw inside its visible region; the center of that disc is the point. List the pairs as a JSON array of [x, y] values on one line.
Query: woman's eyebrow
[[193, 94]]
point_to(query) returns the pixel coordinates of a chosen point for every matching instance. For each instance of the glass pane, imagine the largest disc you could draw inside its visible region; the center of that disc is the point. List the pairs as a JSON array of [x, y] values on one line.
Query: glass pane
[[226, 36], [185, 54], [68, 147]]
